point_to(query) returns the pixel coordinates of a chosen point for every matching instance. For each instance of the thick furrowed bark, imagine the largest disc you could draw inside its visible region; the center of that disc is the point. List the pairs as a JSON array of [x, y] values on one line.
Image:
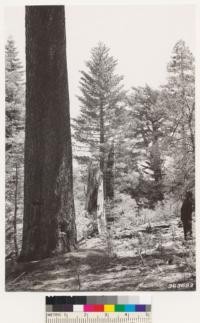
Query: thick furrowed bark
[[49, 215]]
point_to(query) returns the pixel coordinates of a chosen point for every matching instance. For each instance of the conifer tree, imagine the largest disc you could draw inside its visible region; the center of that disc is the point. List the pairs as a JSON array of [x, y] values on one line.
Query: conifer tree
[[146, 131], [101, 100], [14, 103], [13, 91], [179, 100]]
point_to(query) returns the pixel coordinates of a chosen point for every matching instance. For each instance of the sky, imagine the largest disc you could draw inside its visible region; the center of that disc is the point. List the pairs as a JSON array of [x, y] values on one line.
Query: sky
[[140, 37]]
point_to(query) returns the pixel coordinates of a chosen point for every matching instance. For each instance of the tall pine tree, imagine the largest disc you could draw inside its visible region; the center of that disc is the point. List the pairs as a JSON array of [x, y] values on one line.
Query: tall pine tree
[[101, 100]]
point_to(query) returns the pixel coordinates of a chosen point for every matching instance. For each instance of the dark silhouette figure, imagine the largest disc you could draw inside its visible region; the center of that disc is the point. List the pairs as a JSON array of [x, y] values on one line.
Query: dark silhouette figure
[[186, 215]]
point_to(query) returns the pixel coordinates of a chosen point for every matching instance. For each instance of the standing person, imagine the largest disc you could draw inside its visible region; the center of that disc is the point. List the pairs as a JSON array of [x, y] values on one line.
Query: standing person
[[186, 214]]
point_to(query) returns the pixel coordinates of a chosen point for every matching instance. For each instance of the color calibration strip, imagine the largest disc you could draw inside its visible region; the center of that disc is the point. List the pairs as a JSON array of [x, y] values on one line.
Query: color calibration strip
[[99, 308], [107, 304]]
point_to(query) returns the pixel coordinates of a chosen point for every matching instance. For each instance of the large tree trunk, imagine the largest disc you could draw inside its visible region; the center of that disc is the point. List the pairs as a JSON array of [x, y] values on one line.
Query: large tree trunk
[[49, 215]]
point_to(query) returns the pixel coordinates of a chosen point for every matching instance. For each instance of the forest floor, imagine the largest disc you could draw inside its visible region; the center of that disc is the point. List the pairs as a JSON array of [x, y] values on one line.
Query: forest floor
[[145, 252]]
